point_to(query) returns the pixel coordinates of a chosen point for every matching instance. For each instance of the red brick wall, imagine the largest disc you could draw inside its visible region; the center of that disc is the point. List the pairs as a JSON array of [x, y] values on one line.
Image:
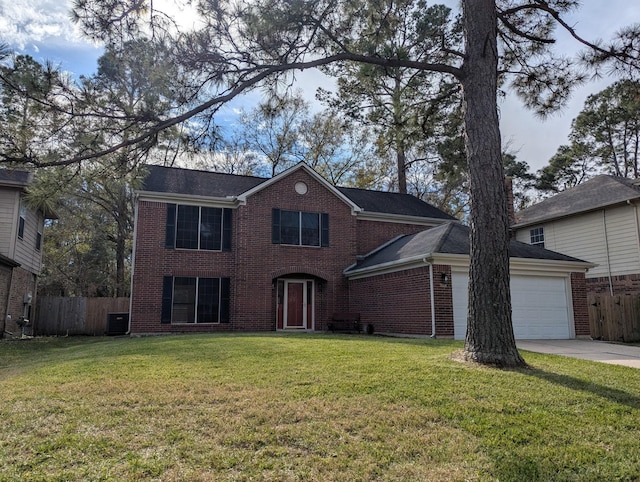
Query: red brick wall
[[153, 261], [580, 308], [5, 284], [372, 234], [254, 262], [443, 300], [400, 302], [266, 261], [22, 282], [622, 285]]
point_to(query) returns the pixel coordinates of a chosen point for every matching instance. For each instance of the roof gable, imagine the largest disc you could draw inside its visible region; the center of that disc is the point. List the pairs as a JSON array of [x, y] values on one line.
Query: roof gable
[[601, 191], [301, 166]]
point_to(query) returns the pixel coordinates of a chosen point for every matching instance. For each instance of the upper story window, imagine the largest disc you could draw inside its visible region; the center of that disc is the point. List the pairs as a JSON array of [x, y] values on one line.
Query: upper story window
[[299, 228], [39, 240], [22, 219], [198, 227], [536, 236]]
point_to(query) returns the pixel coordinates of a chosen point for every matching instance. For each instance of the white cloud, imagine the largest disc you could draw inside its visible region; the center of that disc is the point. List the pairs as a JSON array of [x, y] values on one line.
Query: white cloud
[[29, 22]]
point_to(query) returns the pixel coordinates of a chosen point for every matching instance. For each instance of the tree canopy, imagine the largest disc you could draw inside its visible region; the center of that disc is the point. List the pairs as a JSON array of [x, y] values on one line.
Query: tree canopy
[[604, 138]]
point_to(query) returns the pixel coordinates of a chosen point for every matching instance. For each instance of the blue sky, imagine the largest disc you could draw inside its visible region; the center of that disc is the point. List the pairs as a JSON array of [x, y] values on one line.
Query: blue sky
[[43, 29]]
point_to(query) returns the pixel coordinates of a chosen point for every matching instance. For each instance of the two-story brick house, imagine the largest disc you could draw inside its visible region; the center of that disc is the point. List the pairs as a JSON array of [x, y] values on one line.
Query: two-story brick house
[[220, 252], [20, 251]]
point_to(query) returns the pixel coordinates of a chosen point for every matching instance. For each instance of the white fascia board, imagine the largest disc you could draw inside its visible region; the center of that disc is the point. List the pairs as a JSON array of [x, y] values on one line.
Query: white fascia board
[[242, 198], [208, 201], [402, 219], [530, 266], [390, 267], [547, 266], [456, 261]]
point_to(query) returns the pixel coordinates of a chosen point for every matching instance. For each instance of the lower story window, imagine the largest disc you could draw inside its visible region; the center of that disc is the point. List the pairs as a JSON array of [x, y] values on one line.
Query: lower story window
[[195, 300]]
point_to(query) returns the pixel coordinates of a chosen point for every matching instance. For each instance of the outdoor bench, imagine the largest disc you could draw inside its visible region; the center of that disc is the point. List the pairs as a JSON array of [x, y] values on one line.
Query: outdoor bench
[[345, 321]]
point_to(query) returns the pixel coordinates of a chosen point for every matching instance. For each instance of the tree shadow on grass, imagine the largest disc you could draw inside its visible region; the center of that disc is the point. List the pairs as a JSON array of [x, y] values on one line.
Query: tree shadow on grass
[[612, 394]]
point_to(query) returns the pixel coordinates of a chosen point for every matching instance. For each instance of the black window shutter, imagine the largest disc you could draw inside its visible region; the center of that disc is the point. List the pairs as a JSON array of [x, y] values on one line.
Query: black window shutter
[[170, 237], [225, 295], [167, 299], [324, 227], [275, 226], [226, 229]]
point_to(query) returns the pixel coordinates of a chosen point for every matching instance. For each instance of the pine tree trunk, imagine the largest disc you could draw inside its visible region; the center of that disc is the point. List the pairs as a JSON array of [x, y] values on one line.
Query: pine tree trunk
[[401, 162], [489, 338]]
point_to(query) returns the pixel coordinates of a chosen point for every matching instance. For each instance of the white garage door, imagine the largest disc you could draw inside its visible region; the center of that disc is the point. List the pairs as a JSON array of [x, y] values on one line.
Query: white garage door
[[539, 304]]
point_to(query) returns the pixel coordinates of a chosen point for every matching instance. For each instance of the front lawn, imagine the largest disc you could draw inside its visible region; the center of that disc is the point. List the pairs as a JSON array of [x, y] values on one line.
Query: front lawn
[[307, 407]]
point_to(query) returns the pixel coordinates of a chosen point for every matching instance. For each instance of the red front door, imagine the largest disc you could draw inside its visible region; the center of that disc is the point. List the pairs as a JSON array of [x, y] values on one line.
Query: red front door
[[294, 316]]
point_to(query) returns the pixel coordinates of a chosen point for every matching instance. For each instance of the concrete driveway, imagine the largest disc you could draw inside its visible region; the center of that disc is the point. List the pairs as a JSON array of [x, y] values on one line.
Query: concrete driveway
[[587, 350]]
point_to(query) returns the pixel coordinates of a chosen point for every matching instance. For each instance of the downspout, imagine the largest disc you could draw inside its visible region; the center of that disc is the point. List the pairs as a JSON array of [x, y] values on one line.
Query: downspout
[[606, 244], [433, 306]]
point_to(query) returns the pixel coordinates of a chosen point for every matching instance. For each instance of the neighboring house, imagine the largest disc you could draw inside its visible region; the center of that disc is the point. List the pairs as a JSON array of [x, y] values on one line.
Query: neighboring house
[[598, 221], [20, 251], [420, 284], [219, 252]]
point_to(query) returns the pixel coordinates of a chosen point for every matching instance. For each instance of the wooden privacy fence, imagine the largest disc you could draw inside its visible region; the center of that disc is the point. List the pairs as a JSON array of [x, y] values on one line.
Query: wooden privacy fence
[[76, 316], [614, 318]]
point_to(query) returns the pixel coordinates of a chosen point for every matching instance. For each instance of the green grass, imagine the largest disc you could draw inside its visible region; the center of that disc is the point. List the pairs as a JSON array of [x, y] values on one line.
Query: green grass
[[308, 407]]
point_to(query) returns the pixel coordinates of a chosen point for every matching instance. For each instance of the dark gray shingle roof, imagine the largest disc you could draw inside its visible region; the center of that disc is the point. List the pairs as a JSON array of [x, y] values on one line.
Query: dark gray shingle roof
[[11, 263], [393, 203], [602, 190], [175, 180], [14, 177], [449, 238], [214, 184]]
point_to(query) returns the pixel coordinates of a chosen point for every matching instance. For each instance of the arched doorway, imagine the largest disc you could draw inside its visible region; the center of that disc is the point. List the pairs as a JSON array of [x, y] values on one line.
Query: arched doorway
[[295, 304]]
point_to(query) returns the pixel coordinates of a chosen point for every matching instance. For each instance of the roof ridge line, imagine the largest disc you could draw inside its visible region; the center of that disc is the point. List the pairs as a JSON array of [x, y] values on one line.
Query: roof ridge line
[[443, 236], [382, 246]]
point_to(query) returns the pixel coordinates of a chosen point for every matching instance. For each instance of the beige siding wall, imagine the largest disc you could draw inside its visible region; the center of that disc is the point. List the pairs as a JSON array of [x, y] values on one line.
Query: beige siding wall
[[26, 253], [587, 237], [8, 220]]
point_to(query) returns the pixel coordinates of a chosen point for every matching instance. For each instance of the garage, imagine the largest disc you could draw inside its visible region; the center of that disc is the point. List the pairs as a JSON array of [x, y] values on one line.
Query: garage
[[541, 307], [421, 286]]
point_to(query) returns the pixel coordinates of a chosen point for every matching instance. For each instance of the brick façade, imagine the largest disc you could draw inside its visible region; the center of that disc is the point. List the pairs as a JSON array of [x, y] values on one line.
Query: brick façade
[[257, 269], [254, 263], [411, 291]]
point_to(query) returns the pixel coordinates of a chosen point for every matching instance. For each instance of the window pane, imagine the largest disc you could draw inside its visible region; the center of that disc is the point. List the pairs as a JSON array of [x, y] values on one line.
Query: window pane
[[184, 300], [187, 227], [21, 227], [208, 300], [211, 228], [310, 229], [290, 227], [537, 236]]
